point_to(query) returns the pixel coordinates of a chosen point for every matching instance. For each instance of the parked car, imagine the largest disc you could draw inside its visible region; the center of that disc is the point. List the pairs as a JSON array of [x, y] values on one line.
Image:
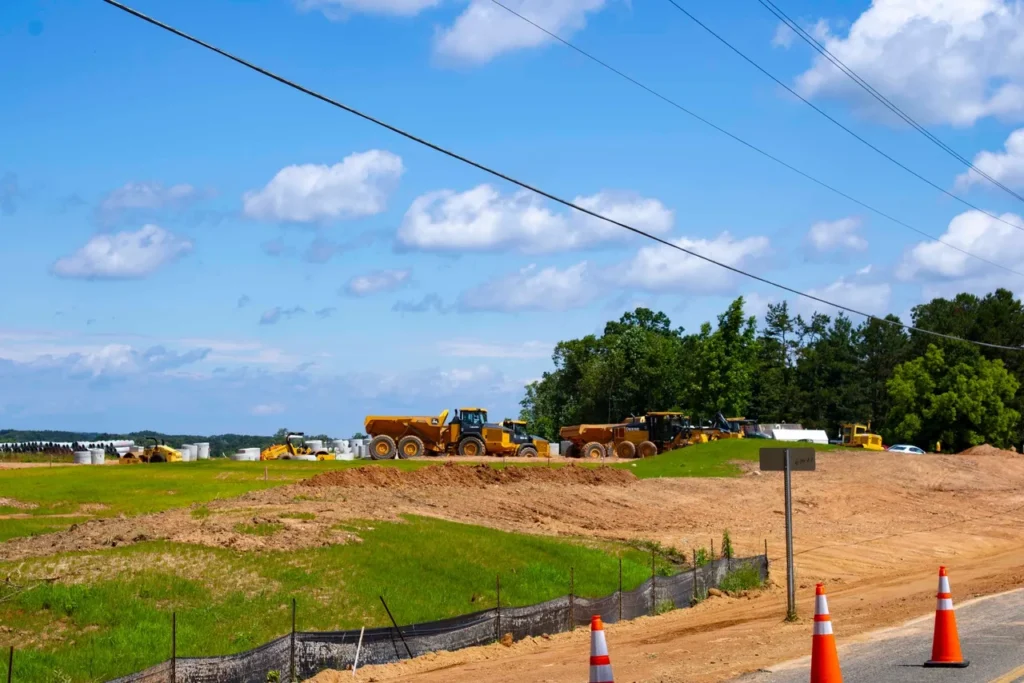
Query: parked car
[[905, 448]]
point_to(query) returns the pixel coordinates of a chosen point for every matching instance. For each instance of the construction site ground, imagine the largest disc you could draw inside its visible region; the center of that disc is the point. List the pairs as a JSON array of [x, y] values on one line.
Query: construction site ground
[[873, 526]]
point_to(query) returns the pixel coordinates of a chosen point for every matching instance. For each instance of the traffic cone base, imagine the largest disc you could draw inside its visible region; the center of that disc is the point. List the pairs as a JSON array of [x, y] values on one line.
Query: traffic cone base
[[946, 641]]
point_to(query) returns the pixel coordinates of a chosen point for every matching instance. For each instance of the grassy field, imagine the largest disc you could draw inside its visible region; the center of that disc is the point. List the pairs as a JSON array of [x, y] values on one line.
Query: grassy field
[[110, 612], [708, 460]]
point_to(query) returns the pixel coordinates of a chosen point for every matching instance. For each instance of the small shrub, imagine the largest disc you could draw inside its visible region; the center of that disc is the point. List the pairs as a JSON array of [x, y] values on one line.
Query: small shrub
[[274, 676], [727, 552], [664, 606], [306, 516], [741, 578], [201, 512], [702, 557]]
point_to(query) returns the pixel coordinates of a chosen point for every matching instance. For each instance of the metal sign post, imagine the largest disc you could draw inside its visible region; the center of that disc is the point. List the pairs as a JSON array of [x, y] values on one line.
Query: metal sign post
[[788, 460]]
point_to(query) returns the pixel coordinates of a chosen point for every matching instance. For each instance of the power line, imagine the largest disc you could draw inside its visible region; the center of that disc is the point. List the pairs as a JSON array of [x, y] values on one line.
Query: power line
[[543, 193], [749, 145], [836, 121], [824, 52]]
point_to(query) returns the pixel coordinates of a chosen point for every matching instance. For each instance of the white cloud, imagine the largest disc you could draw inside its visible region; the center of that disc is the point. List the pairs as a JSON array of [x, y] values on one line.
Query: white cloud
[[866, 297], [1007, 166], [376, 282], [485, 30], [274, 315], [119, 359], [827, 236], [483, 219], [357, 186], [784, 36], [136, 196], [945, 61], [339, 9], [123, 255], [267, 409], [477, 349], [532, 289], [661, 268], [971, 231]]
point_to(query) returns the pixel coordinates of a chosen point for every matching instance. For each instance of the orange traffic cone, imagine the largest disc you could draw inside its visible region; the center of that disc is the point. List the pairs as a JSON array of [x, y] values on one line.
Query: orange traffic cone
[[824, 658], [946, 642], [600, 663]]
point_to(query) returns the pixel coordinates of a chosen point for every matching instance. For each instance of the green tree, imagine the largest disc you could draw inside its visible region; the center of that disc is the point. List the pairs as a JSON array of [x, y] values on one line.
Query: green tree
[[961, 404]]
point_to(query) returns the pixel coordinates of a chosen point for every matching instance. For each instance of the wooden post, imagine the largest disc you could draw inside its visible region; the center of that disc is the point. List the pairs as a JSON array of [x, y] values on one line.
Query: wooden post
[[654, 589], [265, 472], [498, 587], [620, 588], [572, 598], [694, 551], [10, 665], [712, 551]]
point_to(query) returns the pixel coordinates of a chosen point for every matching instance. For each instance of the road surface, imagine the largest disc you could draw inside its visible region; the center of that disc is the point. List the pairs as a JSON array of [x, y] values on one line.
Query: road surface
[[991, 637]]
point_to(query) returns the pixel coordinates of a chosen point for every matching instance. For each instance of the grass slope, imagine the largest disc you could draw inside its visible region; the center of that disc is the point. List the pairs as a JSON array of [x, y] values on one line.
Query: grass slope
[[709, 459], [110, 614]]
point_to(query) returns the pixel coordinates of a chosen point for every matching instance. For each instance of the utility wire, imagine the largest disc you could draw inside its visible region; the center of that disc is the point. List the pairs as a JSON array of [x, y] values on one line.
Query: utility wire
[[824, 52], [750, 145], [543, 193], [836, 121]]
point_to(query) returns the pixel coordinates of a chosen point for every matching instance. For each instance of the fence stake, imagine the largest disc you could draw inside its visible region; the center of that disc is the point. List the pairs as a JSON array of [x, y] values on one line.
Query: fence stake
[[620, 588], [174, 647], [265, 469], [766, 572], [10, 665], [694, 551], [654, 588], [712, 550], [498, 582], [293, 642], [407, 650], [355, 664], [572, 598]]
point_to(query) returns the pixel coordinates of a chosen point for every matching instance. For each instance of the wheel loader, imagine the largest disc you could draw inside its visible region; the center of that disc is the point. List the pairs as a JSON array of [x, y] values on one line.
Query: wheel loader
[[468, 433], [860, 436], [158, 451], [289, 449]]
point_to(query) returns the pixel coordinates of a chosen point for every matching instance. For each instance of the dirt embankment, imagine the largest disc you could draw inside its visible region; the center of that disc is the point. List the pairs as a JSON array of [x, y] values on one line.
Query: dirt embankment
[[462, 476], [985, 449]]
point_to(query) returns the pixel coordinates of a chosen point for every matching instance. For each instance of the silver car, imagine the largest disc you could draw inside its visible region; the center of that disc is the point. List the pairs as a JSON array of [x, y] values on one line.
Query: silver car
[[904, 448]]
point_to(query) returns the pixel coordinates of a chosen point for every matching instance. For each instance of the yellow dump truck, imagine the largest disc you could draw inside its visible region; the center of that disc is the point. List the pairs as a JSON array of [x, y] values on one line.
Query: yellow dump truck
[[468, 433], [589, 441]]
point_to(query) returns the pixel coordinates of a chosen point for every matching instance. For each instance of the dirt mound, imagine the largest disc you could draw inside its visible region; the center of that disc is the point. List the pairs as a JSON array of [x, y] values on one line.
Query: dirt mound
[[465, 476], [16, 504], [985, 449]]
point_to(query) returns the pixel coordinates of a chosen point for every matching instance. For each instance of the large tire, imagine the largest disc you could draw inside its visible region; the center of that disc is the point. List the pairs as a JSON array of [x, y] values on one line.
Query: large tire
[[647, 449], [410, 447], [472, 447], [625, 449], [571, 451], [382, 447], [594, 450], [527, 452]]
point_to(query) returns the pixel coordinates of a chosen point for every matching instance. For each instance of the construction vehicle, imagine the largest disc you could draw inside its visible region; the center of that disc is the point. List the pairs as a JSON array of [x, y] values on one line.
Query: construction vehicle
[[589, 441], [742, 425], [158, 451], [856, 435], [290, 450], [656, 432], [526, 446], [719, 428], [468, 433]]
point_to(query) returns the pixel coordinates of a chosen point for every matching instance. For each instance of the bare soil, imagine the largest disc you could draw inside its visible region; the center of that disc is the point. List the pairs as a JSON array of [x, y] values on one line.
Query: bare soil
[[873, 526], [985, 449]]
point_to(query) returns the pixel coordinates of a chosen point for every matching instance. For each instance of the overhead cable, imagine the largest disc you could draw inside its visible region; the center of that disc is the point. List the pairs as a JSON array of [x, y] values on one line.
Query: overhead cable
[[526, 186]]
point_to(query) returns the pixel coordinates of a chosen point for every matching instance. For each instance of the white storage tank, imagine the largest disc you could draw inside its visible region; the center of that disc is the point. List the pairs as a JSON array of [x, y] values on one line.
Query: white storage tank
[[83, 457], [203, 450], [340, 445], [315, 445], [99, 456], [553, 448], [188, 453]]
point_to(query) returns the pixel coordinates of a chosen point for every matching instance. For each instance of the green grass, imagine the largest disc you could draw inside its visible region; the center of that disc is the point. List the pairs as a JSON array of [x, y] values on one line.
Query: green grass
[[118, 621], [742, 578], [305, 516], [708, 459], [261, 529]]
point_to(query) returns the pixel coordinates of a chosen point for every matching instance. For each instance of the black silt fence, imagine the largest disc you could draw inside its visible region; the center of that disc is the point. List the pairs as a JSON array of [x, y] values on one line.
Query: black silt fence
[[315, 651]]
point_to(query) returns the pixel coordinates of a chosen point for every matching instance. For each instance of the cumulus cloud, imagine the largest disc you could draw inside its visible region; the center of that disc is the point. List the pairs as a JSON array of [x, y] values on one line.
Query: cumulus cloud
[[340, 9], [856, 293], [274, 315], [971, 231], [532, 289], [947, 61], [483, 219], [357, 186], [429, 302], [784, 36], [828, 236], [485, 30], [663, 269], [123, 255], [376, 282], [144, 196], [1007, 166], [120, 359]]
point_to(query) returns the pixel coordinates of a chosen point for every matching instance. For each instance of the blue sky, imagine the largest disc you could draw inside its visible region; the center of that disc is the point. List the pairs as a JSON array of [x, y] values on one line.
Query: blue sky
[[193, 248]]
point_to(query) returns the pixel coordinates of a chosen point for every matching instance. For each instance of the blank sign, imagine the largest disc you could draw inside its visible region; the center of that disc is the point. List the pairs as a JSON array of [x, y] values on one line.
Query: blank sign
[[800, 459]]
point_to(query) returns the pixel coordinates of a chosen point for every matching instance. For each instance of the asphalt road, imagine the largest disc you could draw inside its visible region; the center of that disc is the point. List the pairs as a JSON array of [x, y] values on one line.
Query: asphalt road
[[991, 637]]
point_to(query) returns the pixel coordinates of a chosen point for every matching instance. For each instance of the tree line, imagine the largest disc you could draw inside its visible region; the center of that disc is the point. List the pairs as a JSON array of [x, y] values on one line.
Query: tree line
[[820, 371]]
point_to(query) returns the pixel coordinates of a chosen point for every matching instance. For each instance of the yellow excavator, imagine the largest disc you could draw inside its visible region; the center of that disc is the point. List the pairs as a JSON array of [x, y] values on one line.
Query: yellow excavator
[[289, 449], [859, 436]]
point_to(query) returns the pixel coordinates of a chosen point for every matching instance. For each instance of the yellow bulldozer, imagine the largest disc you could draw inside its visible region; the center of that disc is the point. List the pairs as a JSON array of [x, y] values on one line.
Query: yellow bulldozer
[[158, 451], [468, 433], [855, 435], [289, 450]]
